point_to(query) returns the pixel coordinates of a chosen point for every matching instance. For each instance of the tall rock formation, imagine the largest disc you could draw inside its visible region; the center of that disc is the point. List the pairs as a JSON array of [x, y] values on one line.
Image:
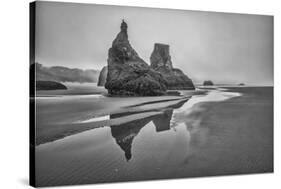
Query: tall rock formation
[[161, 61], [102, 76], [127, 73]]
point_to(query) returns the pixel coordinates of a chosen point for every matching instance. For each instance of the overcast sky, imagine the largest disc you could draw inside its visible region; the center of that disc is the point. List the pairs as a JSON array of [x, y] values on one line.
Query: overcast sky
[[226, 48]]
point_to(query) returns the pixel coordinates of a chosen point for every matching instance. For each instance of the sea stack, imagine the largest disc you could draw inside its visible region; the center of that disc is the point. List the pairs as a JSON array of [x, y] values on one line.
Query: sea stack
[[160, 60], [102, 76], [128, 74], [208, 83]]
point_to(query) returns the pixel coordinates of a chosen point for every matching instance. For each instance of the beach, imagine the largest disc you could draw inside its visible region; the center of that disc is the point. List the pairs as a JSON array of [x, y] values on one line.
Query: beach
[[206, 132]]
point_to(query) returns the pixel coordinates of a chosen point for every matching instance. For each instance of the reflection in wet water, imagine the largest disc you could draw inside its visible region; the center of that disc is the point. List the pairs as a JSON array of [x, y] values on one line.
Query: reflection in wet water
[[125, 133], [179, 114]]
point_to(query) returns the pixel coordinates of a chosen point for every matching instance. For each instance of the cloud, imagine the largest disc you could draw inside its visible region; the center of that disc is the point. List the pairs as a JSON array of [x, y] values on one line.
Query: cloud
[[226, 48]]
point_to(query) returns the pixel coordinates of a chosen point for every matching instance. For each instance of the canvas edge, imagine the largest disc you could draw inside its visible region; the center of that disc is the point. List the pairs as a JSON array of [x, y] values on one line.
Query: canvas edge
[[32, 13]]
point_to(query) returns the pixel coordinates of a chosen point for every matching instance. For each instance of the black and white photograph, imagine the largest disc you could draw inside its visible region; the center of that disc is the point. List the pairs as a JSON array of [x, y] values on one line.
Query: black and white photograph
[[122, 93]]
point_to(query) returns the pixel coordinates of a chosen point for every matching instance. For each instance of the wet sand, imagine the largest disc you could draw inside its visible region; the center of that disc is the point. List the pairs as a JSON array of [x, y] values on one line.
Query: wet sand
[[58, 117], [183, 137], [237, 134]]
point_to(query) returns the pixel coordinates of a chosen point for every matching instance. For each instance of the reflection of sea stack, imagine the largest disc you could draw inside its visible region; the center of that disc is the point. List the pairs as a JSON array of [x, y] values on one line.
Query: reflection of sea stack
[[102, 76], [161, 61], [127, 73], [125, 133], [124, 138], [162, 122]]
